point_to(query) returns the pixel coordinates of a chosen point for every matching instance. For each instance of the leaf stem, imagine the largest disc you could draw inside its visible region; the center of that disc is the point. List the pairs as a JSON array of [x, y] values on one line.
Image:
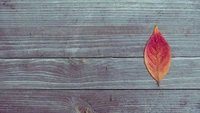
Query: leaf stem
[[158, 83]]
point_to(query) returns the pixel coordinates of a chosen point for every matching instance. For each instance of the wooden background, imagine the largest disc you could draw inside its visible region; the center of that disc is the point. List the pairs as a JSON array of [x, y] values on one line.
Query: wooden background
[[56, 55]]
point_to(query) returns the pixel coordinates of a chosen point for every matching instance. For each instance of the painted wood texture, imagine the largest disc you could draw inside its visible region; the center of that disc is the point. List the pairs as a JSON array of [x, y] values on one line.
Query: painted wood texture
[[50, 47], [105, 73], [112, 101], [96, 28]]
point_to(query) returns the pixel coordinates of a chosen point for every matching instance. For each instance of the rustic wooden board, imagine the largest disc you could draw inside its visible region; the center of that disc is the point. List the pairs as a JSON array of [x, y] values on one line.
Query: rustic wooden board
[[92, 46], [104, 73], [29, 13], [96, 44], [109, 101], [96, 28]]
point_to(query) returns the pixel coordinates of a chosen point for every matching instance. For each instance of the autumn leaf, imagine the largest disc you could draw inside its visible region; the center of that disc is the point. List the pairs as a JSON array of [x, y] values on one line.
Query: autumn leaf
[[157, 56]]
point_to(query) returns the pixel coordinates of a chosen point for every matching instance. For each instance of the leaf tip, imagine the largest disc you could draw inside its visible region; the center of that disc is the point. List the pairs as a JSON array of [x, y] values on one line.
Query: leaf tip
[[156, 30]]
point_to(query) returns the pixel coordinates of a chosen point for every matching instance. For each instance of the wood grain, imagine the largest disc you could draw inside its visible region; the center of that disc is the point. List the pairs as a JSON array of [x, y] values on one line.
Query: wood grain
[[105, 73], [92, 46], [113, 101], [51, 45], [96, 28]]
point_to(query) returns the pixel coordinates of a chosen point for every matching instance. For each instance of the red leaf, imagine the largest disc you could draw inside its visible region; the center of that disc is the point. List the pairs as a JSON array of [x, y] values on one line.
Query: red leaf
[[157, 56]]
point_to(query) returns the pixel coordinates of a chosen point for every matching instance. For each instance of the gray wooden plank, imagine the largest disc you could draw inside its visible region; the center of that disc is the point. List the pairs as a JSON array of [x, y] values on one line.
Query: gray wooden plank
[[105, 101], [103, 73], [64, 13], [92, 46], [96, 28]]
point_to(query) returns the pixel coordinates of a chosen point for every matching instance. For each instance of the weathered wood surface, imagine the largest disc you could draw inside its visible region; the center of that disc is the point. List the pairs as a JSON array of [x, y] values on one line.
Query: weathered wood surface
[[105, 73], [113, 101], [92, 46], [64, 44], [96, 28]]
